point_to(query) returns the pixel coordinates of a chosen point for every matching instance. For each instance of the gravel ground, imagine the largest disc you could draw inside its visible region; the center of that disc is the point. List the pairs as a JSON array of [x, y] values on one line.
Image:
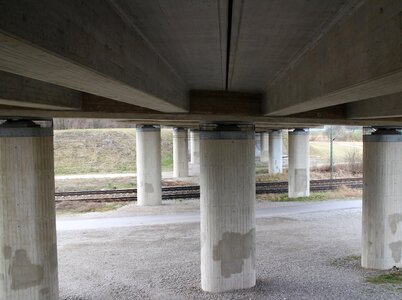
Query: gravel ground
[[307, 256]]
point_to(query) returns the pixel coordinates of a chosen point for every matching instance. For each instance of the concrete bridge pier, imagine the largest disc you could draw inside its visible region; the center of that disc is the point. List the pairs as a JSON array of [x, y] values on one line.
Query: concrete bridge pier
[[180, 153], [28, 257], [382, 200], [149, 176], [275, 152], [195, 147], [299, 164], [227, 184], [265, 146]]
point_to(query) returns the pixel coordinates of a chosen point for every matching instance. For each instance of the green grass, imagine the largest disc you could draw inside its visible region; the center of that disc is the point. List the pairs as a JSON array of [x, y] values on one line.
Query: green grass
[[394, 278], [83, 151]]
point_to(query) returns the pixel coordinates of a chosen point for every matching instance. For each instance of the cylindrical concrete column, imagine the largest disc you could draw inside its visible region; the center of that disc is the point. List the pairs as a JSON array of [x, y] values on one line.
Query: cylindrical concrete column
[[28, 260], [382, 200], [195, 147], [227, 184], [275, 152], [180, 153], [264, 146], [299, 164], [149, 190]]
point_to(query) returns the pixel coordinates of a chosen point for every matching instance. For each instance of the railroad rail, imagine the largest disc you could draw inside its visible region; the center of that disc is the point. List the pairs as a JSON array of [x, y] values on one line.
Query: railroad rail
[[193, 191]]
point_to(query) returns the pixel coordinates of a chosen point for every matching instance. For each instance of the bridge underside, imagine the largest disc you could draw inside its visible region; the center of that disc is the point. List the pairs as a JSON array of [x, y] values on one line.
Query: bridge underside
[[241, 65], [272, 63]]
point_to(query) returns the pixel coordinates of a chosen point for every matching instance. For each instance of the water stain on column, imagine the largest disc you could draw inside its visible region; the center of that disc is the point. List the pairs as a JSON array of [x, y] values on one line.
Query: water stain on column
[[233, 249], [393, 221], [396, 249], [23, 273], [149, 188]]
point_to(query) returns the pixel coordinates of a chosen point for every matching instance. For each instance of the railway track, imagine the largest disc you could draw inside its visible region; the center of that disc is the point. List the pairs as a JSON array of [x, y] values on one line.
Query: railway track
[[193, 191]]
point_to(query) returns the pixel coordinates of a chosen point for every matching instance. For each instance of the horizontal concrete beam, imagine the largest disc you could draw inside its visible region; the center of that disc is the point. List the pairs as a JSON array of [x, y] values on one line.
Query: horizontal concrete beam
[[358, 58], [16, 90], [87, 46], [221, 102], [389, 106], [136, 115]]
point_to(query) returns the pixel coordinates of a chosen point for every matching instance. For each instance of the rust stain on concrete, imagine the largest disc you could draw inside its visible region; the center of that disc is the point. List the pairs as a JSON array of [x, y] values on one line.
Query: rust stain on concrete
[[232, 250]]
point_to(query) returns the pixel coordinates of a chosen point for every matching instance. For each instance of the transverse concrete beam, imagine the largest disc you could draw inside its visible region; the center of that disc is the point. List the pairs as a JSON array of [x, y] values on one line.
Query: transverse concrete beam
[[358, 58], [87, 46]]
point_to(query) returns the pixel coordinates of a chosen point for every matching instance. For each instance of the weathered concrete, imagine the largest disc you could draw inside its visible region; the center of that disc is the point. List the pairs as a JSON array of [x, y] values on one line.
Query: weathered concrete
[[180, 152], [195, 147], [21, 91], [382, 201], [227, 184], [359, 58], [275, 152], [299, 164], [28, 260], [265, 146], [74, 44], [149, 173], [267, 34], [388, 106]]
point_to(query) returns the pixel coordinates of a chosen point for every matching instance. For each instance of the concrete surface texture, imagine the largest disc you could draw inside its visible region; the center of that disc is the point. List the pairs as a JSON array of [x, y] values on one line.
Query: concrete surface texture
[[195, 147], [149, 175], [227, 185], [180, 152], [259, 59], [275, 152], [28, 263], [299, 164], [382, 202], [303, 255]]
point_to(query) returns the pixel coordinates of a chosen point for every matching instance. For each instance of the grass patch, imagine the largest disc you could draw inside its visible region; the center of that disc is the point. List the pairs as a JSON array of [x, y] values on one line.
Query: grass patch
[[271, 177], [85, 184], [85, 151], [346, 260], [341, 149], [341, 193], [74, 207], [285, 198], [392, 278]]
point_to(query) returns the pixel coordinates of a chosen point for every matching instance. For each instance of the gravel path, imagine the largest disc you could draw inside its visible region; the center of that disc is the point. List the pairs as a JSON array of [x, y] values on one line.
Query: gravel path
[[304, 256]]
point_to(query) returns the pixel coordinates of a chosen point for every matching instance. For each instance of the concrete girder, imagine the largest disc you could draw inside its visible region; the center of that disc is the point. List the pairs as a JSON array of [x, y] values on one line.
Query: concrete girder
[[69, 44], [25, 92], [388, 106], [363, 48]]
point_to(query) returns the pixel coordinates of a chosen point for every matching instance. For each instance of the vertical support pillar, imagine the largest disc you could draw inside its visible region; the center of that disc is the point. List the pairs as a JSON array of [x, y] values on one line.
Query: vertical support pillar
[[264, 146], [148, 145], [382, 200], [227, 183], [275, 152], [299, 164], [180, 153], [195, 147], [28, 261], [257, 137]]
